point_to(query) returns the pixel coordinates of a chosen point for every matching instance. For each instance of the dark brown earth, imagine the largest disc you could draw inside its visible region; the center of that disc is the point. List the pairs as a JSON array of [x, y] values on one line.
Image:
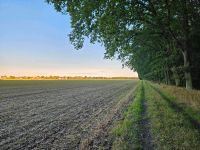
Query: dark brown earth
[[60, 114], [145, 134]]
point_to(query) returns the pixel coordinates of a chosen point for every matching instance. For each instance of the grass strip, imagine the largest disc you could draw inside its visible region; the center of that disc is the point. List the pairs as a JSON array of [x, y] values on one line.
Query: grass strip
[[169, 127], [127, 133], [182, 95], [186, 101]]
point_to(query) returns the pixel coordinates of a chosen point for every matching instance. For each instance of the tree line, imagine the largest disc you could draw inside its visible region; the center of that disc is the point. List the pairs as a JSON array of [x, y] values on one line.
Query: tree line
[[64, 78], [160, 39]]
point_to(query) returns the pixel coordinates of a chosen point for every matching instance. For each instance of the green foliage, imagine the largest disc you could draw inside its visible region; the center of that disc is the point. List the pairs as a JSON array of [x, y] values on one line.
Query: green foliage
[[151, 37]]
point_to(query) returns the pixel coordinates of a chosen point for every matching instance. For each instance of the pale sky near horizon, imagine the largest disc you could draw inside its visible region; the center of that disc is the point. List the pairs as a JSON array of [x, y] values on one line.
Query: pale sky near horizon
[[34, 41]]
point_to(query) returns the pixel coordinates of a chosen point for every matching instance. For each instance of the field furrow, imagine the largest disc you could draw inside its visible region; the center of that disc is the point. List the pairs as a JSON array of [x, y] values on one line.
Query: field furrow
[[55, 114]]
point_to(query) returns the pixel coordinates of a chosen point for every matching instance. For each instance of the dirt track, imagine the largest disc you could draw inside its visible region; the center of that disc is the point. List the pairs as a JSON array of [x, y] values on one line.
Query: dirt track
[[56, 114]]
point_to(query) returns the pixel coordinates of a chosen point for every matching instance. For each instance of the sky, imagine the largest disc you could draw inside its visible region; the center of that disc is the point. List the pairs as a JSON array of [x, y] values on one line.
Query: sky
[[34, 41]]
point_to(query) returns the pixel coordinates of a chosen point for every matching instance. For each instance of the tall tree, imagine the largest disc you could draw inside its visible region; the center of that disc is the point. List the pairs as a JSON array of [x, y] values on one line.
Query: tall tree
[[167, 26]]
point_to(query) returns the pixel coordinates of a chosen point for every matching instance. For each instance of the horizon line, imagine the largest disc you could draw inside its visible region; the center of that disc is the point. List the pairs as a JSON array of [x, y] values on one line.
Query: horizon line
[[21, 76]]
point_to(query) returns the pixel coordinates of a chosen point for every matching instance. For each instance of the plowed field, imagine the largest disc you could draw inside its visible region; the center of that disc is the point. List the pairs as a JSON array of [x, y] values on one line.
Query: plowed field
[[60, 114]]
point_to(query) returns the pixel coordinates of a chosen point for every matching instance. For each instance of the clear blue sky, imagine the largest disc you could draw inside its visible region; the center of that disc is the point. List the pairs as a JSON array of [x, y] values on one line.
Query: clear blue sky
[[34, 41]]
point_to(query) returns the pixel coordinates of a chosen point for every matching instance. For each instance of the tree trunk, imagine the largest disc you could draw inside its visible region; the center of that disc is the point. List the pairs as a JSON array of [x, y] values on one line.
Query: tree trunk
[[167, 77], [187, 45], [166, 80], [176, 76], [187, 72]]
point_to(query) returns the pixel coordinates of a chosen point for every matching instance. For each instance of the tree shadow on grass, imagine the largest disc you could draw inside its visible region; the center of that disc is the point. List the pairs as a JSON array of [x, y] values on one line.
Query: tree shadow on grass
[[178, 108]]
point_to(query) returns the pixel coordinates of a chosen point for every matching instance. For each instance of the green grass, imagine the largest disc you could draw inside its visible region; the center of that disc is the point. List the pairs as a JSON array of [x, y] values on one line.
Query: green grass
[[187, 101], [182, 95], [173, 124], [171, 128], [127, 133]]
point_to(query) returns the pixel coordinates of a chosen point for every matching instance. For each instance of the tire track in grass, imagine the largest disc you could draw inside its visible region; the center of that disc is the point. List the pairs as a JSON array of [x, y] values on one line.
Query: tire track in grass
[[178, 109], [145, 135], [133, 132], [170, 127]]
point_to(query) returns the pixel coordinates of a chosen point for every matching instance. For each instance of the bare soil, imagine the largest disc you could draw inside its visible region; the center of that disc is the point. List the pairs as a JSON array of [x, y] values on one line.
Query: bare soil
[[145, 135], [60, 114]]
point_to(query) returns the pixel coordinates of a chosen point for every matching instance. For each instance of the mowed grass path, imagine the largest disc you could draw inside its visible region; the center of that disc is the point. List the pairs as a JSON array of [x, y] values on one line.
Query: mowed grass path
[[170, 123]]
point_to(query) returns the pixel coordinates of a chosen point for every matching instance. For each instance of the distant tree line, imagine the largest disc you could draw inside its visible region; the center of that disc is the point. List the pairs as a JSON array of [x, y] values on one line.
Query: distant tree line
[[63, 78], [160, 39]]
